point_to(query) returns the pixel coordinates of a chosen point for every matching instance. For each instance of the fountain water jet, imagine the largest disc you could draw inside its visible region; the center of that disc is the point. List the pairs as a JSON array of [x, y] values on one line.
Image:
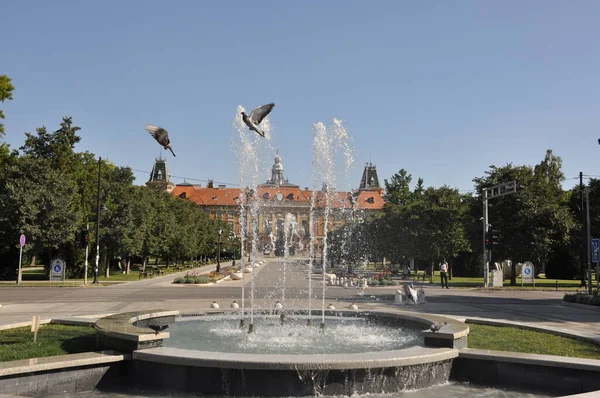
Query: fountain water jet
[[326, 144], [250, 150]]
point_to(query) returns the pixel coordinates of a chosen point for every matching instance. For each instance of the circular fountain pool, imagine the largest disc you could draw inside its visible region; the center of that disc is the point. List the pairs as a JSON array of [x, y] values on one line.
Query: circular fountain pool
[[356, 352], [342, 335]]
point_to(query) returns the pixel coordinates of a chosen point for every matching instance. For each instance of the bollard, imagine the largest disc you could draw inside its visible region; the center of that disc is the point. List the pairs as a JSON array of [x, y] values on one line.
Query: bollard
[[399, 299], [556, 285], [421, 296]]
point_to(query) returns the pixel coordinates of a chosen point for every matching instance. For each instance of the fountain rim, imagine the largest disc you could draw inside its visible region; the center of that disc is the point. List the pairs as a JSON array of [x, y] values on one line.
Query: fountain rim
[[122, 326], [416, 355]]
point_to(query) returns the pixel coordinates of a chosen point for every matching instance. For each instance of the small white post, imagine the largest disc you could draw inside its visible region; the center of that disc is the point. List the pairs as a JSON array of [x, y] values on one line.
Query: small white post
[[19, 270], [35, 325]]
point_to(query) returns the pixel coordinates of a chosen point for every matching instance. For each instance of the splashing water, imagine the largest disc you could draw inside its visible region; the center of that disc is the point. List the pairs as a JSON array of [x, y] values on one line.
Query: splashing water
[[220, 333], [327, 143], [251, 151]]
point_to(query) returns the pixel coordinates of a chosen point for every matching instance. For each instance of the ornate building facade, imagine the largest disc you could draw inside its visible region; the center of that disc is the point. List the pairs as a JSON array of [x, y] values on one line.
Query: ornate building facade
[[283, 205]]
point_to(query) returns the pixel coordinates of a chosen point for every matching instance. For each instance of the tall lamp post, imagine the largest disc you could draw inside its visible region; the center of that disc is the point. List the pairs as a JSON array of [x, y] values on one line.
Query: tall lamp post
[[219, 251], [98, 208]]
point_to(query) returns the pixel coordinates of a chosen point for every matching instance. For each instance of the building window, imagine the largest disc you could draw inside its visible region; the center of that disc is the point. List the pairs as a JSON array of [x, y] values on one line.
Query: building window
[[183, 195]]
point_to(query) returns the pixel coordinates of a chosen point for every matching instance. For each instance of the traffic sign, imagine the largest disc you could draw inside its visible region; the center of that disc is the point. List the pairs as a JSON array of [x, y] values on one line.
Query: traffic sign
[[595, 245], [57, 270], [527, 273], [22, 240]]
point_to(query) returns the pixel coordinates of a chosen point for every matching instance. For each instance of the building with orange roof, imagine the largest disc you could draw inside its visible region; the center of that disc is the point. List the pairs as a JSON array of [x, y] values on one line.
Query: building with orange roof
[[280, 202]]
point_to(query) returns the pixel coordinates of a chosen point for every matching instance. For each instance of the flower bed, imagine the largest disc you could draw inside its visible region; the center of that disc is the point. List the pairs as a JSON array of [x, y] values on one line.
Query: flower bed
[[193, 277], [382, 279]]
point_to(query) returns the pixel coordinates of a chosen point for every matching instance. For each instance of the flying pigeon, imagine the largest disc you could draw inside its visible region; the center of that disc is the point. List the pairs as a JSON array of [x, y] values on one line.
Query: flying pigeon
[[158, 328], [410, 292], [256, 116], [437, 326], [161, 136]]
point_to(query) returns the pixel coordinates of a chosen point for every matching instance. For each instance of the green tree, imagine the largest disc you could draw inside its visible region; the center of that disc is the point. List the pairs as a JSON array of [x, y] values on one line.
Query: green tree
[[57, 146], [534, 221], [6, 90], [6, 93], [397, 190], [36, 200]]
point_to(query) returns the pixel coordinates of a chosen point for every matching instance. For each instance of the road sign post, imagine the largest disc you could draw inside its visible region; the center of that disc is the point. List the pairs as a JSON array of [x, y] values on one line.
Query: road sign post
[[22, 243], [595, 246], [57, 270], [527, 273]]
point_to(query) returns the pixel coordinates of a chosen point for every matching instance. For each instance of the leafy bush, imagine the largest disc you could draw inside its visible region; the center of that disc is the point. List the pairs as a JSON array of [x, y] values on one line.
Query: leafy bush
[[582, 298], [194, 278], [382, 279]]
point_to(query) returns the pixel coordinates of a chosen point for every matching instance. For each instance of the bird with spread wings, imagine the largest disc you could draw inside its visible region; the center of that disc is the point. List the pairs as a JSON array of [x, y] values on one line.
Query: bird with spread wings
[[257, 116], [161, 136]]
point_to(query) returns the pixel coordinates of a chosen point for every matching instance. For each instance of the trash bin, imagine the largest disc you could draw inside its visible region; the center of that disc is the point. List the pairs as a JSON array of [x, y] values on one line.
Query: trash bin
[[497, 278]]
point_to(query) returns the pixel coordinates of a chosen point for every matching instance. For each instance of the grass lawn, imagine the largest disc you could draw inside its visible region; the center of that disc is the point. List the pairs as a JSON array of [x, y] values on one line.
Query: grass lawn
[[563, 284], [51, 340], [528, 341], [37, 277], [63, 339]]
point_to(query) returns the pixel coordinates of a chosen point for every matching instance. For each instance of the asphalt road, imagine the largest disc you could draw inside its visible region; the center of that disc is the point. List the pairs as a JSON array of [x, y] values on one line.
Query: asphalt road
[[289, 283]]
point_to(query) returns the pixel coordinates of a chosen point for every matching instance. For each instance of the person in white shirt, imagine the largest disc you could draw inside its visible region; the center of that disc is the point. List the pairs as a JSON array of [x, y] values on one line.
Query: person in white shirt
[[444, 274]]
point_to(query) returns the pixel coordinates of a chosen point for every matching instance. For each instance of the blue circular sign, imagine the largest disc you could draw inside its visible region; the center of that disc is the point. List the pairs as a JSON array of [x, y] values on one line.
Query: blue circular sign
[[57, 268], [527, 271]]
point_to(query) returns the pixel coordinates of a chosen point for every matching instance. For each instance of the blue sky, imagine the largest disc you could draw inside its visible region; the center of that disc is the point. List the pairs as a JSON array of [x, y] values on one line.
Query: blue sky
[[442, 89]]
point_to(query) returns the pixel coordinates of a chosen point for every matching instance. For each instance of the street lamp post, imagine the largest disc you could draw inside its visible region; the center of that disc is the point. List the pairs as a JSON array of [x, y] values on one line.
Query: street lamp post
[[219, 251], [98, 208]]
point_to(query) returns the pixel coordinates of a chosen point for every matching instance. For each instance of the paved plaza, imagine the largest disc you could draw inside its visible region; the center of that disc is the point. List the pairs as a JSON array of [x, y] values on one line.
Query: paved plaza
[[290, 286]]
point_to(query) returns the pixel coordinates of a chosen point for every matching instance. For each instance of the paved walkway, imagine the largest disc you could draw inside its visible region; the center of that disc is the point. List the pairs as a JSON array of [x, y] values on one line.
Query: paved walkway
[[289, 283]]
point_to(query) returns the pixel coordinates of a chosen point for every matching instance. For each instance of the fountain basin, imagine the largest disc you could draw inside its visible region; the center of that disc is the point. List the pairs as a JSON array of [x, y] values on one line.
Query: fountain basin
[[213, 373], [288, 333], [260, 374]]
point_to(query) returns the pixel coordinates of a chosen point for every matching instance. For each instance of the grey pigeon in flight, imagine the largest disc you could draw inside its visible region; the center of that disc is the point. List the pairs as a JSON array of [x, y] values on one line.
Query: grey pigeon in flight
[[256, 116], [161, 136]]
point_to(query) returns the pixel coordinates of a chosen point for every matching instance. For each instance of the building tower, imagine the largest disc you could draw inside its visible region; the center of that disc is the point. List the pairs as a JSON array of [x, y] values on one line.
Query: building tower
[[277, 178], [160, 177], [370, 181]]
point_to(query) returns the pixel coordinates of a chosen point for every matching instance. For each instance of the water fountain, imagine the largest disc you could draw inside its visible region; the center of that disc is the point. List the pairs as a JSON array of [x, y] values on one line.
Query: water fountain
[[282, 352]]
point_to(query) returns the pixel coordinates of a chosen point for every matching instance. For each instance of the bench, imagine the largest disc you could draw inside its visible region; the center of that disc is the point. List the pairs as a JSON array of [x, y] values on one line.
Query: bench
[[417, 275], [157, 271], [144, 274]]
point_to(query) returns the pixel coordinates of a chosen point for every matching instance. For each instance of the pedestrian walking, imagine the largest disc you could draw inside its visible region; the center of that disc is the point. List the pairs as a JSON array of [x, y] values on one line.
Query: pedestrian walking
[[444, 274]]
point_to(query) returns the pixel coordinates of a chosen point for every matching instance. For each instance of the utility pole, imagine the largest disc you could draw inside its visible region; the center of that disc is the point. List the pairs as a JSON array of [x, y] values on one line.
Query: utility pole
[[587, 244], [486, 267], [95, 282], [583, 240], [87, 250], [496, 191]]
